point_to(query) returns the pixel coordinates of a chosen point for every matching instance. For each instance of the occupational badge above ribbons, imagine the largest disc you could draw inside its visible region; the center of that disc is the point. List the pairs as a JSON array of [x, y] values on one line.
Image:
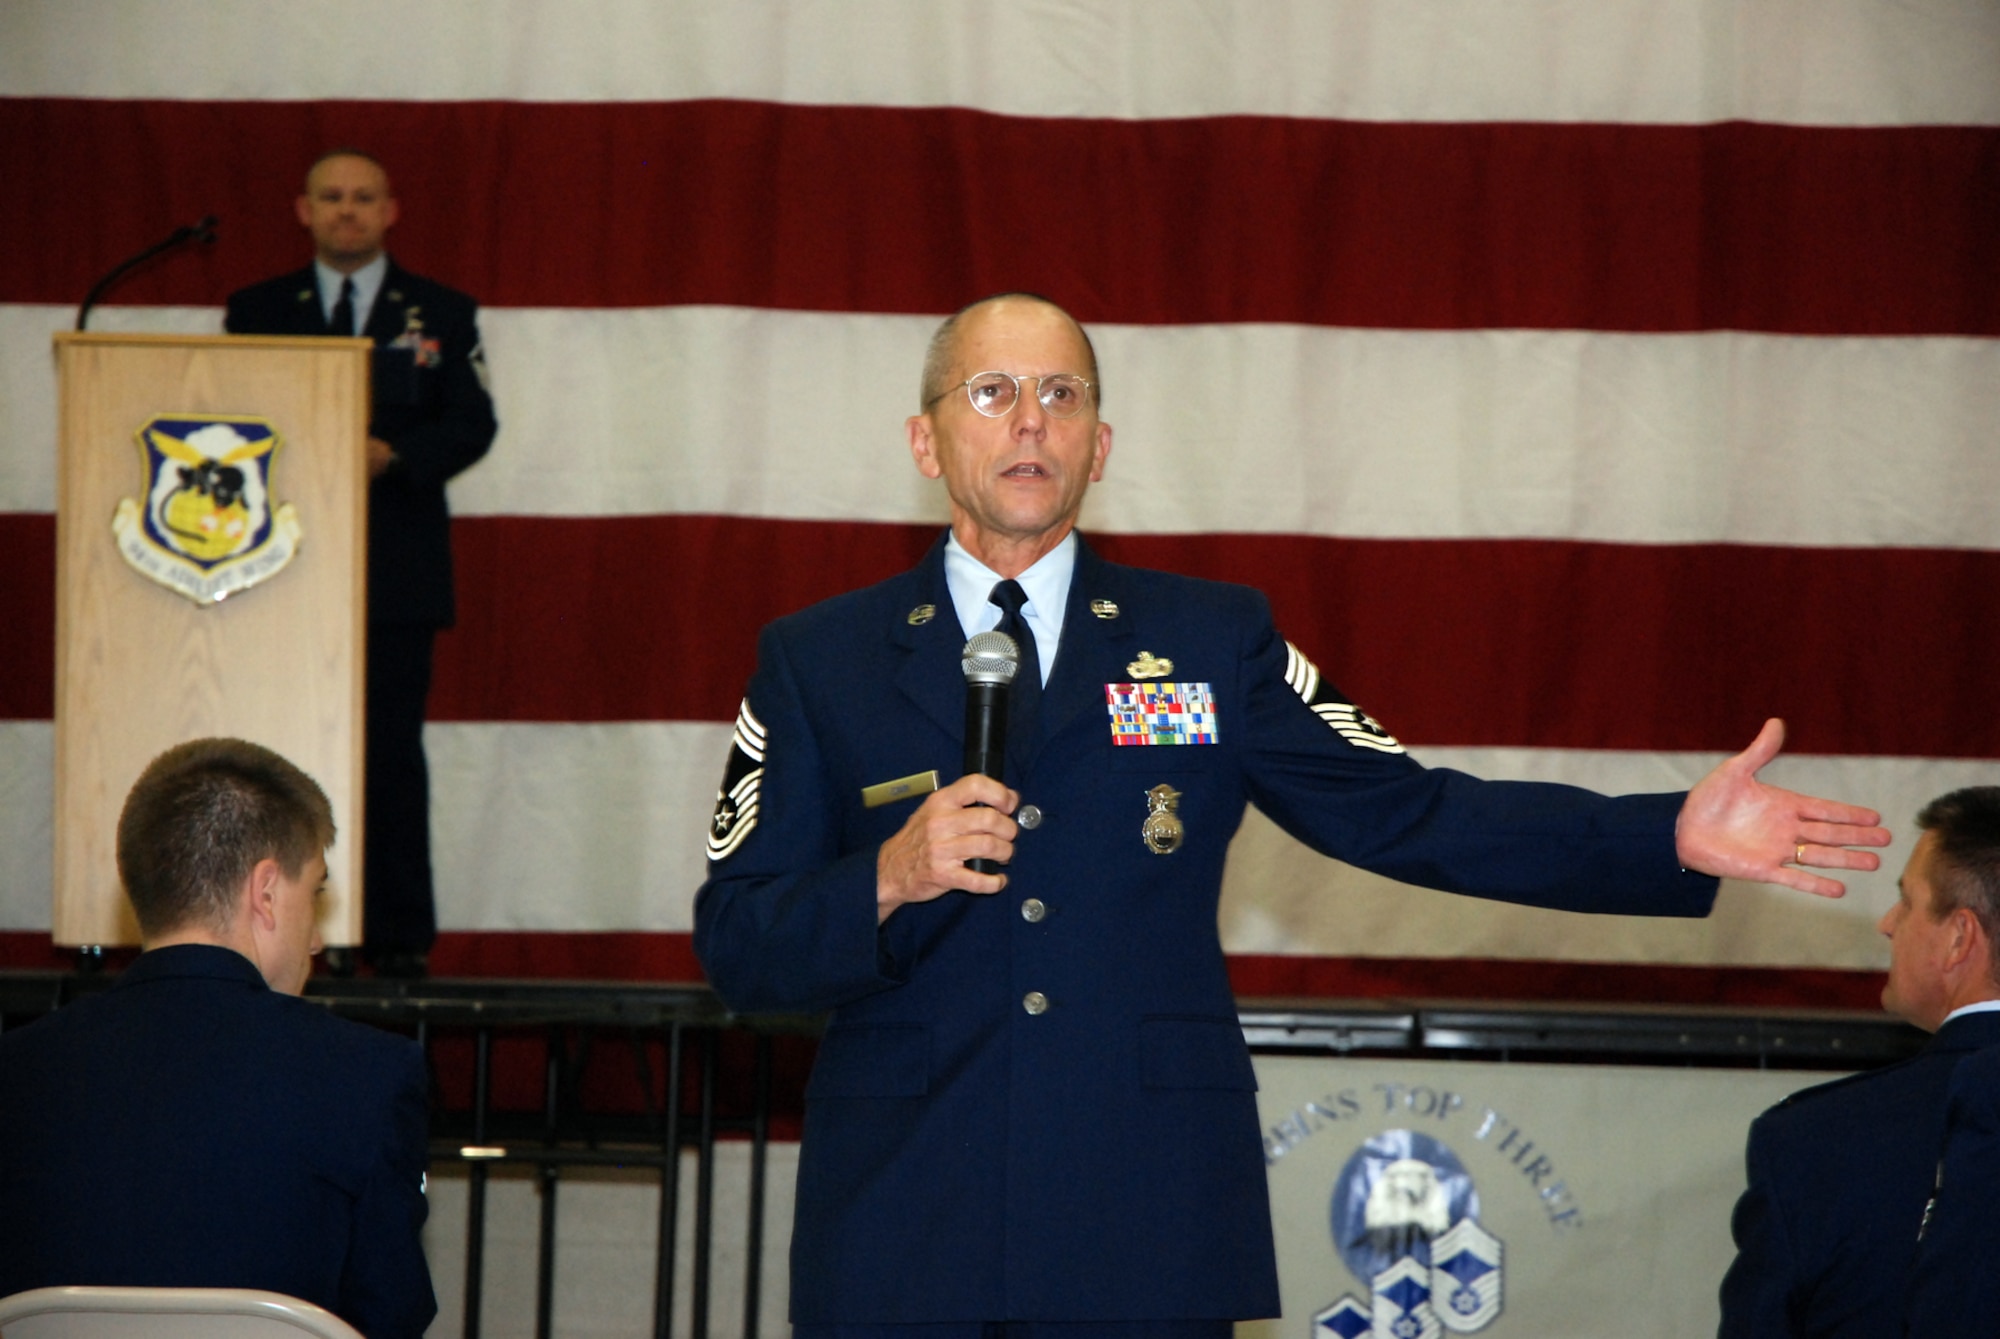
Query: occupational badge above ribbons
[[206, 524]]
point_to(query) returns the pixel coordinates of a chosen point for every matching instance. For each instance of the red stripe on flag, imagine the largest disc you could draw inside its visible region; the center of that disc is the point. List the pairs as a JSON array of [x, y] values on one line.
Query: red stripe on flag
[[1470, 642], [1819, 230], [1467, 642], [28, 614]]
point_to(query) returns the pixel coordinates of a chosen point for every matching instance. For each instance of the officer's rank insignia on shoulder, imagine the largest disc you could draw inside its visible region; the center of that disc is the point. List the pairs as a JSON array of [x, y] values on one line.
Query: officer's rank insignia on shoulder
[[1161, 713], [205, 524], [736, 802], [1347, 720]]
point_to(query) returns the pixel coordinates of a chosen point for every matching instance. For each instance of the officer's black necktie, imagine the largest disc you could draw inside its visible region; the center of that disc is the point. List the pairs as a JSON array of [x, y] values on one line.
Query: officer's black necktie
[[1026, 695], [342, 322]]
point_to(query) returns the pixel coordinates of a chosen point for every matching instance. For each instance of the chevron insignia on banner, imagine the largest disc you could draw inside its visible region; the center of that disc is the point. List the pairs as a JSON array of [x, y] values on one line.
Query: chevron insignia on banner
[[1405, 1218]]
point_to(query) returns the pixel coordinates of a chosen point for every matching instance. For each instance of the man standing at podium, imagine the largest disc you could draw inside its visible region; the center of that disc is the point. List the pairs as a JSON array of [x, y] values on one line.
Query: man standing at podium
[[431, 416]]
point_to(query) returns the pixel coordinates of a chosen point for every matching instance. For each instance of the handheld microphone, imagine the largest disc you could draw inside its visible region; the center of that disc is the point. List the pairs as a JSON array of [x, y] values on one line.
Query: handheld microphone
[[991, 661]]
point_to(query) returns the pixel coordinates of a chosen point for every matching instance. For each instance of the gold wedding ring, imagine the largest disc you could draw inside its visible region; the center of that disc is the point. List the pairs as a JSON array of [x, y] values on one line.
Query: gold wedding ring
[[1799, 854]]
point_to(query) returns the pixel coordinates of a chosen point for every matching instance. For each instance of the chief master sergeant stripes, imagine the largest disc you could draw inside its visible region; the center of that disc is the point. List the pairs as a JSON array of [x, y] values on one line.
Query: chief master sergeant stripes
[[1033, 1112]]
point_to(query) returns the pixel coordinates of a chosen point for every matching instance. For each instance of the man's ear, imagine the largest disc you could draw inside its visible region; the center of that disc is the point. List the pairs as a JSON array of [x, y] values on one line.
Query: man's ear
[[263, 892], [923, 445], [1968, 945], [302, 206]]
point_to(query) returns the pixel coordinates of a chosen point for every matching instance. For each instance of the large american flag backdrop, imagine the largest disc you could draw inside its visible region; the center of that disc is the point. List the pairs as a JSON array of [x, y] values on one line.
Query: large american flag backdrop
[[1583, 381]]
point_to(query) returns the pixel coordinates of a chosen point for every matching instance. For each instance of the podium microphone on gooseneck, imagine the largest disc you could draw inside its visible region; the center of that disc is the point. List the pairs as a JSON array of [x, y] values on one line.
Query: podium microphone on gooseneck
[[990, 662], [201, 230]]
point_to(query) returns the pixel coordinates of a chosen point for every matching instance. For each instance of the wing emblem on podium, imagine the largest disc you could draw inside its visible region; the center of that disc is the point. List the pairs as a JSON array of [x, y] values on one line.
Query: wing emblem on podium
[[205, 524]]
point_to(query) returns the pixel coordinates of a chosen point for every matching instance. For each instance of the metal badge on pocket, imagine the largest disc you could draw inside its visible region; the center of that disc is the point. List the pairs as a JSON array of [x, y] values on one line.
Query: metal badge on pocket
[[1162, 830]]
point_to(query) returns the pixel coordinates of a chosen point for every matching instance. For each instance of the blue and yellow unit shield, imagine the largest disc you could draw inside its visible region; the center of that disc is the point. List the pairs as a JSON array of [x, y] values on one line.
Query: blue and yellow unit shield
[[207, 525]]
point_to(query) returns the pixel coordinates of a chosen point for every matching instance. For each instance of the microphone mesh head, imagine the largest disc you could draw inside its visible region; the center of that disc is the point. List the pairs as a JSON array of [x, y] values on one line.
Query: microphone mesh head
[[991, 657]]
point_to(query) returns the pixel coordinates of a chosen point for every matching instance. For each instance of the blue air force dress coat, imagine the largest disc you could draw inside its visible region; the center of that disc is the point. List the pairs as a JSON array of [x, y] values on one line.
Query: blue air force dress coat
[[1955, 1284], [190, 1127], [1038, 1105], [428, 400], [1839, 1175]]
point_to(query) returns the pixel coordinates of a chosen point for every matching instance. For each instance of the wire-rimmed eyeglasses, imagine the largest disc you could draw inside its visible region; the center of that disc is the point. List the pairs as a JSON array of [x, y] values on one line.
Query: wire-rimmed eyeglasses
[[994, 394]]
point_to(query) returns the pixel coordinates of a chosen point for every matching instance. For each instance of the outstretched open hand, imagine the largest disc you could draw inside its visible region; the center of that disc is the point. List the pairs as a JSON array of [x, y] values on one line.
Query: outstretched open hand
[[1735, 827]]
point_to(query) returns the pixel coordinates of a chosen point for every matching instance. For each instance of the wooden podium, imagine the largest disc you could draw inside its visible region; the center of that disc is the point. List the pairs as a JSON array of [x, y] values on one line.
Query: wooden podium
[[146, 659]]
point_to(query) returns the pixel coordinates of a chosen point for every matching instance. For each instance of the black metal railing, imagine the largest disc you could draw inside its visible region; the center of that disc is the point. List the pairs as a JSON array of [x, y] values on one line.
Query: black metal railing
[[698, 1074]]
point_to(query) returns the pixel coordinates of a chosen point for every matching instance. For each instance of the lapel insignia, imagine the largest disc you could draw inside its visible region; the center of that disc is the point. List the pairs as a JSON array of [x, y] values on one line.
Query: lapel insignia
[[922, 614], [1162, 830], [1150, 666], [307, 295], [205, 524], [1104, 609]]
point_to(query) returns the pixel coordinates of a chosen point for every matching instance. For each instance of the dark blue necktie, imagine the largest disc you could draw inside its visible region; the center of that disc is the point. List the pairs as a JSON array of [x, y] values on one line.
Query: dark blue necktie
[[342, 322], [1026, 694]]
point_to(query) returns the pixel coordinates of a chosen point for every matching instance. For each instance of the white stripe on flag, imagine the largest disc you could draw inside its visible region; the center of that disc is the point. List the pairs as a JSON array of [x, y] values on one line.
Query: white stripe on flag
[[1833, 62], [1718, 437], [604, 827]]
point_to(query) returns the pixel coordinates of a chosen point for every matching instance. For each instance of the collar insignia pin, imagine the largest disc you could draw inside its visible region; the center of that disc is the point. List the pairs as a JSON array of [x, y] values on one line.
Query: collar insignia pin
[[1105, 609], [922, 614], [1162, 830], [1150, 666]]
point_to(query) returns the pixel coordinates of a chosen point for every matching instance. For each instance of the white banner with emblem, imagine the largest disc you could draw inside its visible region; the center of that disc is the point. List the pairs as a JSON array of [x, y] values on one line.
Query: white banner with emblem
[[1598, 1200], [1424, 1199]]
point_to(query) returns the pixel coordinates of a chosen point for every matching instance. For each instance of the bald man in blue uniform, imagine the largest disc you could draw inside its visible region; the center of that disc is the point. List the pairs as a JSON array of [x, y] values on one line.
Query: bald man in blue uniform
[[1033, 1112]]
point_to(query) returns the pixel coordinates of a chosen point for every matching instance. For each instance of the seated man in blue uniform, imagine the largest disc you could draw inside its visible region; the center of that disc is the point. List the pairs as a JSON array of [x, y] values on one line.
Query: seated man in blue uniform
[[1840, 1173], [1033, 1112], [430, 417], [198, 1125]]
